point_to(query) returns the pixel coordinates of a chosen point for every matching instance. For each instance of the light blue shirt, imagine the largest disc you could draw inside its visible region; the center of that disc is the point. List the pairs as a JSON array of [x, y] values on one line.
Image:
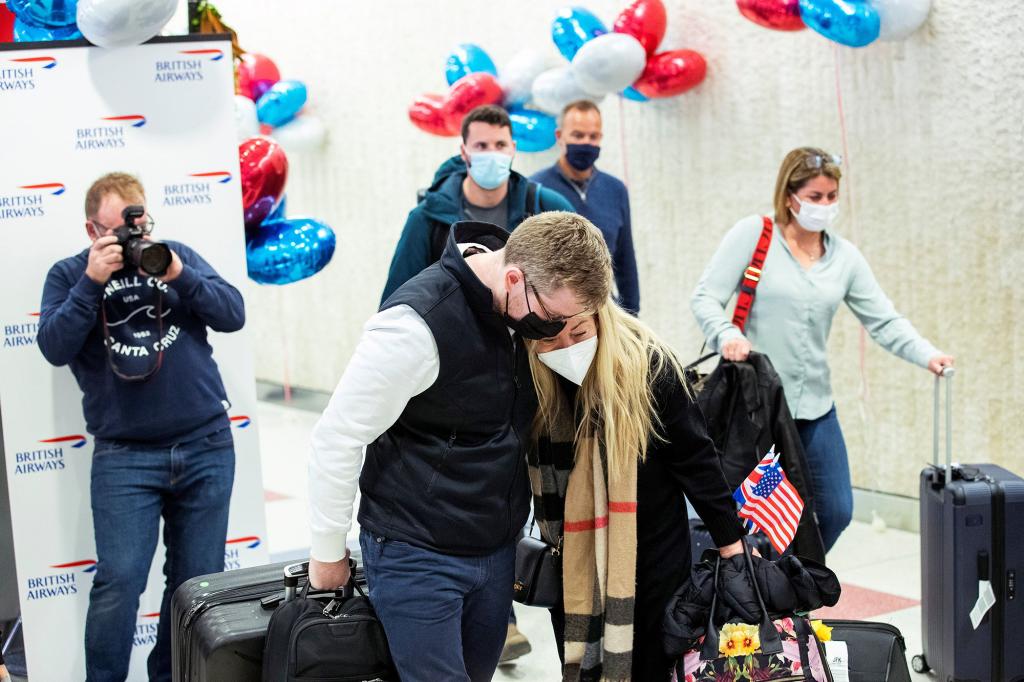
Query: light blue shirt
[[793, 310]]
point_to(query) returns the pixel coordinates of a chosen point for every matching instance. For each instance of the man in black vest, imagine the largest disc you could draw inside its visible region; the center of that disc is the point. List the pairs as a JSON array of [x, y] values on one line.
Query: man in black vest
[[440, 393]]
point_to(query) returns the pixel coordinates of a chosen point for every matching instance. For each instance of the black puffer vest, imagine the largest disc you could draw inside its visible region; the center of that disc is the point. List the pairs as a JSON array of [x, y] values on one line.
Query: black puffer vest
[[450, 474]]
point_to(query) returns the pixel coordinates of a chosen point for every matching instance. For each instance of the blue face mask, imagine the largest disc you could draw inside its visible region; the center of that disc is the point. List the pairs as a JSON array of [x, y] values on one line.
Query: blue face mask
[[489, 169], [582, 156]]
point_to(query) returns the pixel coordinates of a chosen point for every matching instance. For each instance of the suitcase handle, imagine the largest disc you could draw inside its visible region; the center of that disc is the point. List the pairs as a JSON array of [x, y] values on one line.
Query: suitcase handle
[[948, 373], [293, 572]]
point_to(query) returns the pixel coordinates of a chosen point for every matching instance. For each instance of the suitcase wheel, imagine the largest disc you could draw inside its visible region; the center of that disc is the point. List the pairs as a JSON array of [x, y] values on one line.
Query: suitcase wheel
[[919, 664]]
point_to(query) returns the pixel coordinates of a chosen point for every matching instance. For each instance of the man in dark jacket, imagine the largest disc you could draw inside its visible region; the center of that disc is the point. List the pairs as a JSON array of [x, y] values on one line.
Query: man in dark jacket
[[477, 184], [440, 394]]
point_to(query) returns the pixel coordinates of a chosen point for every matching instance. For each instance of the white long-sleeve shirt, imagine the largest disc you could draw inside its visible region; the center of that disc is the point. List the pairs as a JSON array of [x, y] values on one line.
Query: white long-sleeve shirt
[[793, 309], [395, 360]]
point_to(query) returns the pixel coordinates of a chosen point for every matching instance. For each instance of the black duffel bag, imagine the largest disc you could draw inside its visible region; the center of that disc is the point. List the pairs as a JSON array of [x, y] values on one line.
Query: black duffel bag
[[325, 637]]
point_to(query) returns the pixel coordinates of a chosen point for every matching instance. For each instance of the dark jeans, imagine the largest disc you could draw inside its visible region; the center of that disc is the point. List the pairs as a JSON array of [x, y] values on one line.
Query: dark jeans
[[189, 484], [445, 616], [830, 474]]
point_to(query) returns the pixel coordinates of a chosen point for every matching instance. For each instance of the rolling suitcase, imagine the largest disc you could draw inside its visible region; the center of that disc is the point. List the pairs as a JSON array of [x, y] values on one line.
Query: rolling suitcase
[[219, 622], [875, 652], [972, 553]]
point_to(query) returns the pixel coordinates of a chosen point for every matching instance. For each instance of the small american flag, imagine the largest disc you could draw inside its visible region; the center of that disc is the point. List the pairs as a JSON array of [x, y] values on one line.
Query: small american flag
[[769, 502]]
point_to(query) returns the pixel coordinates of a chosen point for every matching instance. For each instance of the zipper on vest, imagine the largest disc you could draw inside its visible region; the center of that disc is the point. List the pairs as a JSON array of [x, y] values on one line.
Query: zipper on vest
[[512, 424]]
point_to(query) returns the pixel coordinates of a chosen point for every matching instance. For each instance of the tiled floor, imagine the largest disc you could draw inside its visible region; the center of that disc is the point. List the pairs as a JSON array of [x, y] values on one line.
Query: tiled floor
[[880, 570]]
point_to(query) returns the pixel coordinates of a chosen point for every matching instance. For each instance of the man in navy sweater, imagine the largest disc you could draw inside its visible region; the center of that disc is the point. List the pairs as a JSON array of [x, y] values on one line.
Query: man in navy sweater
[[155, 403], [598, 196]]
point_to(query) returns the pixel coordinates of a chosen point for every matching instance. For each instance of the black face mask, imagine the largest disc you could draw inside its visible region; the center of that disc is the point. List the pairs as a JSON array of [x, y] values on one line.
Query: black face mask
[[582, 156], [532, 326]]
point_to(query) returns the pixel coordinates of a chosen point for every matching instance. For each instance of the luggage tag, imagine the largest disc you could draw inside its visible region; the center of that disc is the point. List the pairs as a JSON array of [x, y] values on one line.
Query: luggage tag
[[838, 660], [986, 599]]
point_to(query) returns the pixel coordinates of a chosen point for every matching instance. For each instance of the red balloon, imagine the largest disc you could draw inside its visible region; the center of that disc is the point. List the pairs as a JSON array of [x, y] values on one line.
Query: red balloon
[[6, 24], [468, 93], [426, 113], [781, 15], [256, 73], [264, 169], [671, 73], [645, 20]]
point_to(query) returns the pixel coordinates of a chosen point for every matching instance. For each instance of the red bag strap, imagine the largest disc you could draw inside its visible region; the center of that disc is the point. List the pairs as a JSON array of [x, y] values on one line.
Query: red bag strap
[[752, 275]]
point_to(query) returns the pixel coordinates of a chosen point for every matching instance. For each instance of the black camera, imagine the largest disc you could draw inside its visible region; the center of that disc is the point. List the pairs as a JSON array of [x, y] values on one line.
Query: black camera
[[152, 257]]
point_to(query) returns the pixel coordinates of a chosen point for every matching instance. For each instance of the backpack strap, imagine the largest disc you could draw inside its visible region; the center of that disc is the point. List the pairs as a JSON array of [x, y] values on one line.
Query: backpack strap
[[532, 198], [752, 276]]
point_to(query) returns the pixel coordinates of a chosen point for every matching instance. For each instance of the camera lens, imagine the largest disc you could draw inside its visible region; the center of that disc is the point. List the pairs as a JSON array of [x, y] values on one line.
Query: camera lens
[[153, 257]]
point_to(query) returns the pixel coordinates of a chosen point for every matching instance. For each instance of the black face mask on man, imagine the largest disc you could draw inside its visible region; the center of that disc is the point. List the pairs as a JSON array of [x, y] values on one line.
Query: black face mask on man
[[582, 156], [532, 326]]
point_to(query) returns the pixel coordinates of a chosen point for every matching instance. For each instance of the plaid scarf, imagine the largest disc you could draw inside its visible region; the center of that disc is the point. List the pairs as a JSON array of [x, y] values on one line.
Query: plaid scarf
[[572, 496]]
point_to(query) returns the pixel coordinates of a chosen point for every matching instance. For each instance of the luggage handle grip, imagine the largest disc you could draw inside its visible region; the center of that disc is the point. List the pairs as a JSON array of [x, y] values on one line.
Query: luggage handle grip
[[948, 373], [292, 573]]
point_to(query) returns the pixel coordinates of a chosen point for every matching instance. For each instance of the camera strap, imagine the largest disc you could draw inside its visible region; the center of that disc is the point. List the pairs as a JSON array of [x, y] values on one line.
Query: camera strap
[[160, 335]]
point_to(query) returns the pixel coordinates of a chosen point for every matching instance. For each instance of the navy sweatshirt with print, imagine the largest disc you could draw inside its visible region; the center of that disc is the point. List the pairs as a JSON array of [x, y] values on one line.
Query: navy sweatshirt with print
[[185, 399]]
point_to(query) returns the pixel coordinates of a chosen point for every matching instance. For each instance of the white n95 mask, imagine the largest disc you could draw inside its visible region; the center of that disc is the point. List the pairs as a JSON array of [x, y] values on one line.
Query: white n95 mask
[[572, 362], [816, 217]]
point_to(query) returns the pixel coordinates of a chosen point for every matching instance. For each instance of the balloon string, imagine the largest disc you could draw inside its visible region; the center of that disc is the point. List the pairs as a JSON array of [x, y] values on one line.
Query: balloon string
[[622, 141], [862, 338], [286, 379]]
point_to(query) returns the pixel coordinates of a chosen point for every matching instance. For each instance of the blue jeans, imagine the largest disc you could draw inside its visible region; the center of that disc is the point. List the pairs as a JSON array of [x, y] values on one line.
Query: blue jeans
[[830, 474], [445, 616], [133, 485]]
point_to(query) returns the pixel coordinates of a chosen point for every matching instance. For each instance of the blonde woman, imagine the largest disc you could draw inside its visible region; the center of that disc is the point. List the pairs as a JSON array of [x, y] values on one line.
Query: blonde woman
[[618, 439], [808, 272]]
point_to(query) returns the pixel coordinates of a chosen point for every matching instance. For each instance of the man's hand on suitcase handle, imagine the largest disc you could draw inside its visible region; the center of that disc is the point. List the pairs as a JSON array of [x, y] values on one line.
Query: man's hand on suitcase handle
[[940, 362], [329, 575]]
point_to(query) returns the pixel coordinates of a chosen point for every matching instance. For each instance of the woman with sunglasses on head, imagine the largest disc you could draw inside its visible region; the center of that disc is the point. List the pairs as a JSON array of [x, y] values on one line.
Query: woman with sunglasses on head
[[808, 271], [617, 440]]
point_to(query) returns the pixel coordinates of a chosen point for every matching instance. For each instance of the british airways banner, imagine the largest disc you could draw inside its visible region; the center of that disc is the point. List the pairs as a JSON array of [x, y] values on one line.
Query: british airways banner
[[164, 112]]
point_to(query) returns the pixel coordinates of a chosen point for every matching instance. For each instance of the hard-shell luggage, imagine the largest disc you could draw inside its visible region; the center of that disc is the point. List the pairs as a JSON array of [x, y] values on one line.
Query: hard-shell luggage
[[219, 623], [972, 554], [875, 652]]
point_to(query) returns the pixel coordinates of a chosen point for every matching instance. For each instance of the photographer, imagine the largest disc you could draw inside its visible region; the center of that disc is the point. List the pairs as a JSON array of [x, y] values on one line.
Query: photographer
[[130, 317]]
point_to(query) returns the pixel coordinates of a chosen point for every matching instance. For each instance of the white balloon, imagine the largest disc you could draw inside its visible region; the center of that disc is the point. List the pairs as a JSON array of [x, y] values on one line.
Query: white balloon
[[120, 23], [516, 78], [304, 133], [609, 63], [555, 88], [246, 122], [901, 18]]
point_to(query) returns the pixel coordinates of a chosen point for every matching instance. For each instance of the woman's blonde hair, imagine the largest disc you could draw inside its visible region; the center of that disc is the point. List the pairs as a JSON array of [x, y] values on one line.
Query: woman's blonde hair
[[616, 400], [798, 168]]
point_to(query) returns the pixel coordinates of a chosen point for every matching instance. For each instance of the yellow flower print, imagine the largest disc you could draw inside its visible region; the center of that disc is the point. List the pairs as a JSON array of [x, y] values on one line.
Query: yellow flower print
[[738, 639], [821, 631]]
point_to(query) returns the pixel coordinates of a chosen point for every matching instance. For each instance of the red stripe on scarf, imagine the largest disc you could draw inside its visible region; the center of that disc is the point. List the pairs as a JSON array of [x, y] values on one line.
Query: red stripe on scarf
[[622, 507], [585, 525]]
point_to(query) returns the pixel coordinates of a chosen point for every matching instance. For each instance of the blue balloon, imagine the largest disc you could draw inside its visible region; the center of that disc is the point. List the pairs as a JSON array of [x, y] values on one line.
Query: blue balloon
[[281, 102], [45, 13], [26, 33], [465, 59], [533, 131], [572, 27], [278, 212], [288, 250], [848, 22], [635, 95]]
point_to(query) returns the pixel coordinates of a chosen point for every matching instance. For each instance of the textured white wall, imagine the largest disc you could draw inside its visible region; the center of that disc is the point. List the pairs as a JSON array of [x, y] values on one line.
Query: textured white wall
[[933, 196]]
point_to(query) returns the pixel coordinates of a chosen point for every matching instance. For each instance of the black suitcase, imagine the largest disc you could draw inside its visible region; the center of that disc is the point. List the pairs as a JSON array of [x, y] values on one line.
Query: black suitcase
[[876, 652], [972, 530], [219, 623]]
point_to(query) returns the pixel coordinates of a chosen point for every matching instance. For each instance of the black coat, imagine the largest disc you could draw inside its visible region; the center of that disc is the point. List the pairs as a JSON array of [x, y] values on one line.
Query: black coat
[[746, 412], [787, 586]]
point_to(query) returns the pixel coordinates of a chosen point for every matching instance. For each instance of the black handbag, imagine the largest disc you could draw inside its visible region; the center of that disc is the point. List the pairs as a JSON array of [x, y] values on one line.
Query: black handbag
[[538, 573], [325, 637]]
